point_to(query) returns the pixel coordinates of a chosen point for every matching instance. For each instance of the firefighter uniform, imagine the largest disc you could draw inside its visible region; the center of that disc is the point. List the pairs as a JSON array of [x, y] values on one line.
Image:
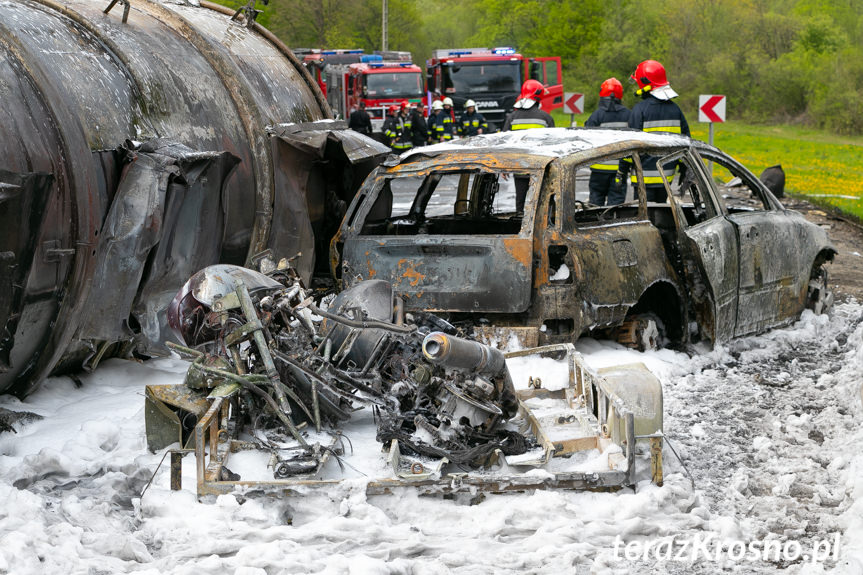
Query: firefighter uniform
[[397, 131], [654, 115], [471, 123], [525, 115], [444, 127], [526, 118], [419, 127], [603, 185]]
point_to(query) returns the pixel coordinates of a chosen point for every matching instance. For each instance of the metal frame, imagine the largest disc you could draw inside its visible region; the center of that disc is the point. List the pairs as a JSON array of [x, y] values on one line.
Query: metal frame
[[585, 390]]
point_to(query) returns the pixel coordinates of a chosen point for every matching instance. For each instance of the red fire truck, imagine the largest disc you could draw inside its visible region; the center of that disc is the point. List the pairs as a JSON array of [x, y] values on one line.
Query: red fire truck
[[316, 61], [379, 80], [491, 77]]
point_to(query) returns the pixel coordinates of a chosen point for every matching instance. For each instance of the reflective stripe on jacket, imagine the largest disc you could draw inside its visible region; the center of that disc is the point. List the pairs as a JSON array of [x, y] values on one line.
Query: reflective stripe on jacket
[[609, 114], [654, 115], [523, 119], [471, 124]]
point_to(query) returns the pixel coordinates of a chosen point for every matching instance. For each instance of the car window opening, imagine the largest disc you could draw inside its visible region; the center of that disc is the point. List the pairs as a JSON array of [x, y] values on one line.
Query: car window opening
[[449, 203]]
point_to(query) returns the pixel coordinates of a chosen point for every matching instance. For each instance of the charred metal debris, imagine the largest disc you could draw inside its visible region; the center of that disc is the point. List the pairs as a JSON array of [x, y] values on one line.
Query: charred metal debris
[[276, 371]]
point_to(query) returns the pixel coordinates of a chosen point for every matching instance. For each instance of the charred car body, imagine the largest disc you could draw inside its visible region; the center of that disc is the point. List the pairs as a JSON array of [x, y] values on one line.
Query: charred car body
[[445, 224]]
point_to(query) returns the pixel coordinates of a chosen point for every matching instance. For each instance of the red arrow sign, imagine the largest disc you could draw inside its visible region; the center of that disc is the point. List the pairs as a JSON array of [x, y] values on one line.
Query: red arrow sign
[[711, 108], [573, 103]]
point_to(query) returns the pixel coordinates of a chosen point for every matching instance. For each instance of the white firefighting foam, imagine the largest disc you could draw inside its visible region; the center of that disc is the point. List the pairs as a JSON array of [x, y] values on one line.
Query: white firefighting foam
[[769, 427]]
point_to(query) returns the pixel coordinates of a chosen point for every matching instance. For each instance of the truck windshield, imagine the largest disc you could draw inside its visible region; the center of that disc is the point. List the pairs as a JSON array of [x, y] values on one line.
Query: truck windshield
[[480, 77], [395, 84]]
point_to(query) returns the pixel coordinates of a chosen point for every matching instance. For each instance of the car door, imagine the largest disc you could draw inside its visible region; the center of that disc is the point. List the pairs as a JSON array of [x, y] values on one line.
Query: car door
[[708, 247], [770, 268], [548, 71]]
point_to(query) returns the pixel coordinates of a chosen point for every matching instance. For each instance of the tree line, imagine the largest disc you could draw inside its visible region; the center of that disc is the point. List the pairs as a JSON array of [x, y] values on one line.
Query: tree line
[[788, 61]]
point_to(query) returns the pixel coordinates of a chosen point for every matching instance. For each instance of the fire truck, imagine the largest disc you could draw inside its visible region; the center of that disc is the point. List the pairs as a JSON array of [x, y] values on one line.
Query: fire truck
[[491, 77], [379, 80], [316, 61]]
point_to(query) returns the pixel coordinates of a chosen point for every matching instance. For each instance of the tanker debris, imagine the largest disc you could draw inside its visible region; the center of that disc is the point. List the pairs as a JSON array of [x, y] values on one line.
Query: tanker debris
[[279, 371], [188, 135]]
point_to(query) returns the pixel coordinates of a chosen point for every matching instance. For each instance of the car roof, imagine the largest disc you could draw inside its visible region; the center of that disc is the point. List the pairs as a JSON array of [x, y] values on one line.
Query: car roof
[[553, 142]]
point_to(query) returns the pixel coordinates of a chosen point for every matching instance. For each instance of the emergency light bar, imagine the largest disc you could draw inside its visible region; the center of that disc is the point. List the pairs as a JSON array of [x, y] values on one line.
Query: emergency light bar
[[504, 50], [333, 52], [391, 64], [371, 58]]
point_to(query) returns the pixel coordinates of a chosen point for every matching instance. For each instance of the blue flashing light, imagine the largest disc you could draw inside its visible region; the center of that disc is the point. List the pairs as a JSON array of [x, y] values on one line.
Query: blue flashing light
[[460, 53], [368, 58], [405, 64], [376, 64], [503, 50]]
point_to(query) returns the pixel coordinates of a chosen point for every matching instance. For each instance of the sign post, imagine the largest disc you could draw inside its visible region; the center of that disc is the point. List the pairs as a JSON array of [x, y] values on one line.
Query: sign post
[[711, 108], [573, 102]]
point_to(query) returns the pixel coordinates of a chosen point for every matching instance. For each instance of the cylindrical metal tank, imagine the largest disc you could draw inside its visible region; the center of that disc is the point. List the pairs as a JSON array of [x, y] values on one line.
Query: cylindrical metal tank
[[75, 84]]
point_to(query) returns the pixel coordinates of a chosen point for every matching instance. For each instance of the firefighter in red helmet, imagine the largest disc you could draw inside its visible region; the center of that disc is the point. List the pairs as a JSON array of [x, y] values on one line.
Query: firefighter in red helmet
[[397, 128], [527, 112], [609, 114], [656, 113]]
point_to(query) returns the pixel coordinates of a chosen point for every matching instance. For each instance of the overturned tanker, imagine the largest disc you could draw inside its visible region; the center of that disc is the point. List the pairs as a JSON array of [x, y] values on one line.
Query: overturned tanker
[[138, 144], [276, 378]]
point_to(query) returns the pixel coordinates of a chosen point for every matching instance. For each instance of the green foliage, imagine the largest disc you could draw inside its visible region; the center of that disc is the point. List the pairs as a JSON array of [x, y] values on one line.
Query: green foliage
[[776, 60]]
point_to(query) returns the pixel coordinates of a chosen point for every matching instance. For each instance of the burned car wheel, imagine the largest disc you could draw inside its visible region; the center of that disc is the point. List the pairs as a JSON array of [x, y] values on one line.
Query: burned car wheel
[[644, 332]]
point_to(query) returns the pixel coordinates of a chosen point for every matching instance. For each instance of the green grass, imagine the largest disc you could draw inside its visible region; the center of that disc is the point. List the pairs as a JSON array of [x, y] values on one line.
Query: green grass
[[822, 167]]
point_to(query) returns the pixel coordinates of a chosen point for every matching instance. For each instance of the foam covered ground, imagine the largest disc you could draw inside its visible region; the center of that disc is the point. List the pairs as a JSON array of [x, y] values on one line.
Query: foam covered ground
[[768, 426]]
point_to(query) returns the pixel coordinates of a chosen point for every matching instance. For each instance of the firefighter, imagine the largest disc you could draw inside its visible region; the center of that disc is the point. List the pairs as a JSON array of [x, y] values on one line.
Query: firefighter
[[471, 122], [444, 125], [396, 134], [527, 113], [419, 126], [609, 114], [436, 111], [656, 113], [360, 121]]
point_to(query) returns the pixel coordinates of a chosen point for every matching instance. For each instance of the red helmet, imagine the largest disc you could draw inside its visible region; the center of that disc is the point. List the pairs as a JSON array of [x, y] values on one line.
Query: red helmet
[[650, 73], [532, 89], [611, 87], [404, 105], [393, 109]]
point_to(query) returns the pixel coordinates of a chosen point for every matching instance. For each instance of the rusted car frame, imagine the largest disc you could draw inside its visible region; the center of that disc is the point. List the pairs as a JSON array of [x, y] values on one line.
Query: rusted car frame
[[693, 260]]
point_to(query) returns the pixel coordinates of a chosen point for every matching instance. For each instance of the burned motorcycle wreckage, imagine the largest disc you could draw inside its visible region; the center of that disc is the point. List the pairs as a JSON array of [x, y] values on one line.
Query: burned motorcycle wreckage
[[279, 370], [259, 337]]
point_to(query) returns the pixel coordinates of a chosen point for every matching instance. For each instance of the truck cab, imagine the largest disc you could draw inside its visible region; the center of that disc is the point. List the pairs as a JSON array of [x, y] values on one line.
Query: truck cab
[[375, 81], [492, 78]]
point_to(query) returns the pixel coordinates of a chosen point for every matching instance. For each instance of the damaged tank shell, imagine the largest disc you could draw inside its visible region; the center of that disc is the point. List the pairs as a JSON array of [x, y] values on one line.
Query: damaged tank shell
[[81, 91]]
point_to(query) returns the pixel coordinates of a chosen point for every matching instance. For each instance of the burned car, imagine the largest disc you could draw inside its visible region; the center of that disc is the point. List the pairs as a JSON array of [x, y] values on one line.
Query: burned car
[[496, 230]]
